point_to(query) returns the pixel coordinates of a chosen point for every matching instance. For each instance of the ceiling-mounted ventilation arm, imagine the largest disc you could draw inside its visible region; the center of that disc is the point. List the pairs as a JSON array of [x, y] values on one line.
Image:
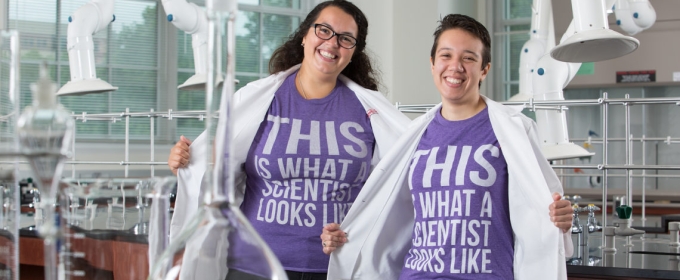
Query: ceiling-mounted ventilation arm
[[540, 41], [634, 16], [83, 23], [548, 81], [591, 39], [191, 19]]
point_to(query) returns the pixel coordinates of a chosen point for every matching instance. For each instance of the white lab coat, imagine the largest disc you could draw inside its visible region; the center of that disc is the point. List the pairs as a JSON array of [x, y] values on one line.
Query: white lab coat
[[380, 222], [250, 105]]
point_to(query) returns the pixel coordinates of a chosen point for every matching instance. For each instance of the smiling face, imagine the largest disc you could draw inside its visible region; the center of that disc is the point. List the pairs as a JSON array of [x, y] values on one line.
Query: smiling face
[[457, 66], [326, 57]]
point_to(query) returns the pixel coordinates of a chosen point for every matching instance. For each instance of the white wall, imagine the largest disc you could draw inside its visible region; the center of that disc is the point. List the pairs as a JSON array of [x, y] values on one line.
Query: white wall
[[3, 14], [380, 31], [400, 38]]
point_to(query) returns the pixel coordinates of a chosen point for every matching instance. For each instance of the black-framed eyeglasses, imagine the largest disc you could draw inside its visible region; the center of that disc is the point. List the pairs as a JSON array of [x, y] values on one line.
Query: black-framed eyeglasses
[[325, 32]]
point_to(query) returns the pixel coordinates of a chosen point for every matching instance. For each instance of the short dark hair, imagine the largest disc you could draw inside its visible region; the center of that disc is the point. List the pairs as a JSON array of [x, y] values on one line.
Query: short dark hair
[[358, 70], [468, 24]]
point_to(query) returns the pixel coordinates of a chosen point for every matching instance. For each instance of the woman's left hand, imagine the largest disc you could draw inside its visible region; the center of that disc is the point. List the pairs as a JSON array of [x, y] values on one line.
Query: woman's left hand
[[561, 212], [332, 237]]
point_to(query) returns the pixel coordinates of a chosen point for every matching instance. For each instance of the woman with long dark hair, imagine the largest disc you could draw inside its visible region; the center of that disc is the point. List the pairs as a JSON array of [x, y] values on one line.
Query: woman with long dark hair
[[307, 137]]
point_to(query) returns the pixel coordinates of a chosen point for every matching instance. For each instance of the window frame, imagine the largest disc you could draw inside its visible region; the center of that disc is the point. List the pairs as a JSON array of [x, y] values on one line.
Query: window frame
[[171, 131], [166, 66], [501, 48]]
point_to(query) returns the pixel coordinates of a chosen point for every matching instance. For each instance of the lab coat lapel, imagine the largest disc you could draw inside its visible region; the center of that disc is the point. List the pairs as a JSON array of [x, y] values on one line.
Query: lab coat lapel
[[528, 196], [250, 106], [387, 123], [380, 221], [188, 195]]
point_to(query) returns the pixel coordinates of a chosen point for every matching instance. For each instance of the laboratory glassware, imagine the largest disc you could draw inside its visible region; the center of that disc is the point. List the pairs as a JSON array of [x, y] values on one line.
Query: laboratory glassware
[[105, 225], [45, 129], [218, 238], [9, 162]]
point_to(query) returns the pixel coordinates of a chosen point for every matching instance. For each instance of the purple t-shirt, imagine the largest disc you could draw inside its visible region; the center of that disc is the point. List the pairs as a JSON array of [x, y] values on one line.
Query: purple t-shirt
[[459, 184], [305, 168]]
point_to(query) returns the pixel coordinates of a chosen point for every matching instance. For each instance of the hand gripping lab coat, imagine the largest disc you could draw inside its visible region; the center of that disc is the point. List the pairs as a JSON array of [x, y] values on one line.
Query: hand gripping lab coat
[[250, 105], [380, 223]]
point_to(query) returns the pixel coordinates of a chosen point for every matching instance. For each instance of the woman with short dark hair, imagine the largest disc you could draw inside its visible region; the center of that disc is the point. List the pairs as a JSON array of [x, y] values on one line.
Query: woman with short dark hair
[[465, 193]]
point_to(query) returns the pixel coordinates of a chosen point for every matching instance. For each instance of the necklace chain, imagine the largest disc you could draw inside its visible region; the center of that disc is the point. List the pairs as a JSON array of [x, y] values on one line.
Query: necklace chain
[[301, 87]]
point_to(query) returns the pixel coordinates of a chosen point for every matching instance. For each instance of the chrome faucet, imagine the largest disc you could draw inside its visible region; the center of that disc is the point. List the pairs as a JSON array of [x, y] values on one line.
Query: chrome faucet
[[583, 254], [575, 222], [593, 224]]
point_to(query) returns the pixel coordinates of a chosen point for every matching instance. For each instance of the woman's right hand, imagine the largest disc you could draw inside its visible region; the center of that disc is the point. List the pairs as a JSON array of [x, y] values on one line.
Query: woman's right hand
[[332, 237], [179, 154]]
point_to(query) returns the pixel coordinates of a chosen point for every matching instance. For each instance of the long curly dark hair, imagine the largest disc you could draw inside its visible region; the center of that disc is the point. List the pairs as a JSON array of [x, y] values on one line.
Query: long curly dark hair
[[359, 70]]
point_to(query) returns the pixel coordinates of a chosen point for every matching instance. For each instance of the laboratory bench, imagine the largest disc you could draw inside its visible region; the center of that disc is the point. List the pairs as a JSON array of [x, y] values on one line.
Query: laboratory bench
[[115, 247], [106, 247]]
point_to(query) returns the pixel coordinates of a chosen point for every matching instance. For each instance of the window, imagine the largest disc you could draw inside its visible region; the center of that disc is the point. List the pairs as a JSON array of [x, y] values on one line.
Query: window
[[127, 56], [513, 26], [261, 27]]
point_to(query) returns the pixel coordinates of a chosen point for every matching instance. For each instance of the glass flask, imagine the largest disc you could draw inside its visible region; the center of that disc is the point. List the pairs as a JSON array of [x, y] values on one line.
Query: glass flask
[[105, 225], [44, 130], [9, 162], [218, 237]]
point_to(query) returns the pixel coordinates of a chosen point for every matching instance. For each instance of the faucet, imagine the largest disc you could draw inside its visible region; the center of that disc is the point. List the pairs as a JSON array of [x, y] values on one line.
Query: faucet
[[575, 222], [622, 227], [623, 223], [583, 254], [592, 224]]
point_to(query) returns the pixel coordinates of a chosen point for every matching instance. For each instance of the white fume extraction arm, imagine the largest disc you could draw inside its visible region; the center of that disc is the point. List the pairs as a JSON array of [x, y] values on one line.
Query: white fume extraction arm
[[87, 20], [542, 39], [590, 39], [193, 20], [634, 16], [552, 76], [587, 39], [549, 79]]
